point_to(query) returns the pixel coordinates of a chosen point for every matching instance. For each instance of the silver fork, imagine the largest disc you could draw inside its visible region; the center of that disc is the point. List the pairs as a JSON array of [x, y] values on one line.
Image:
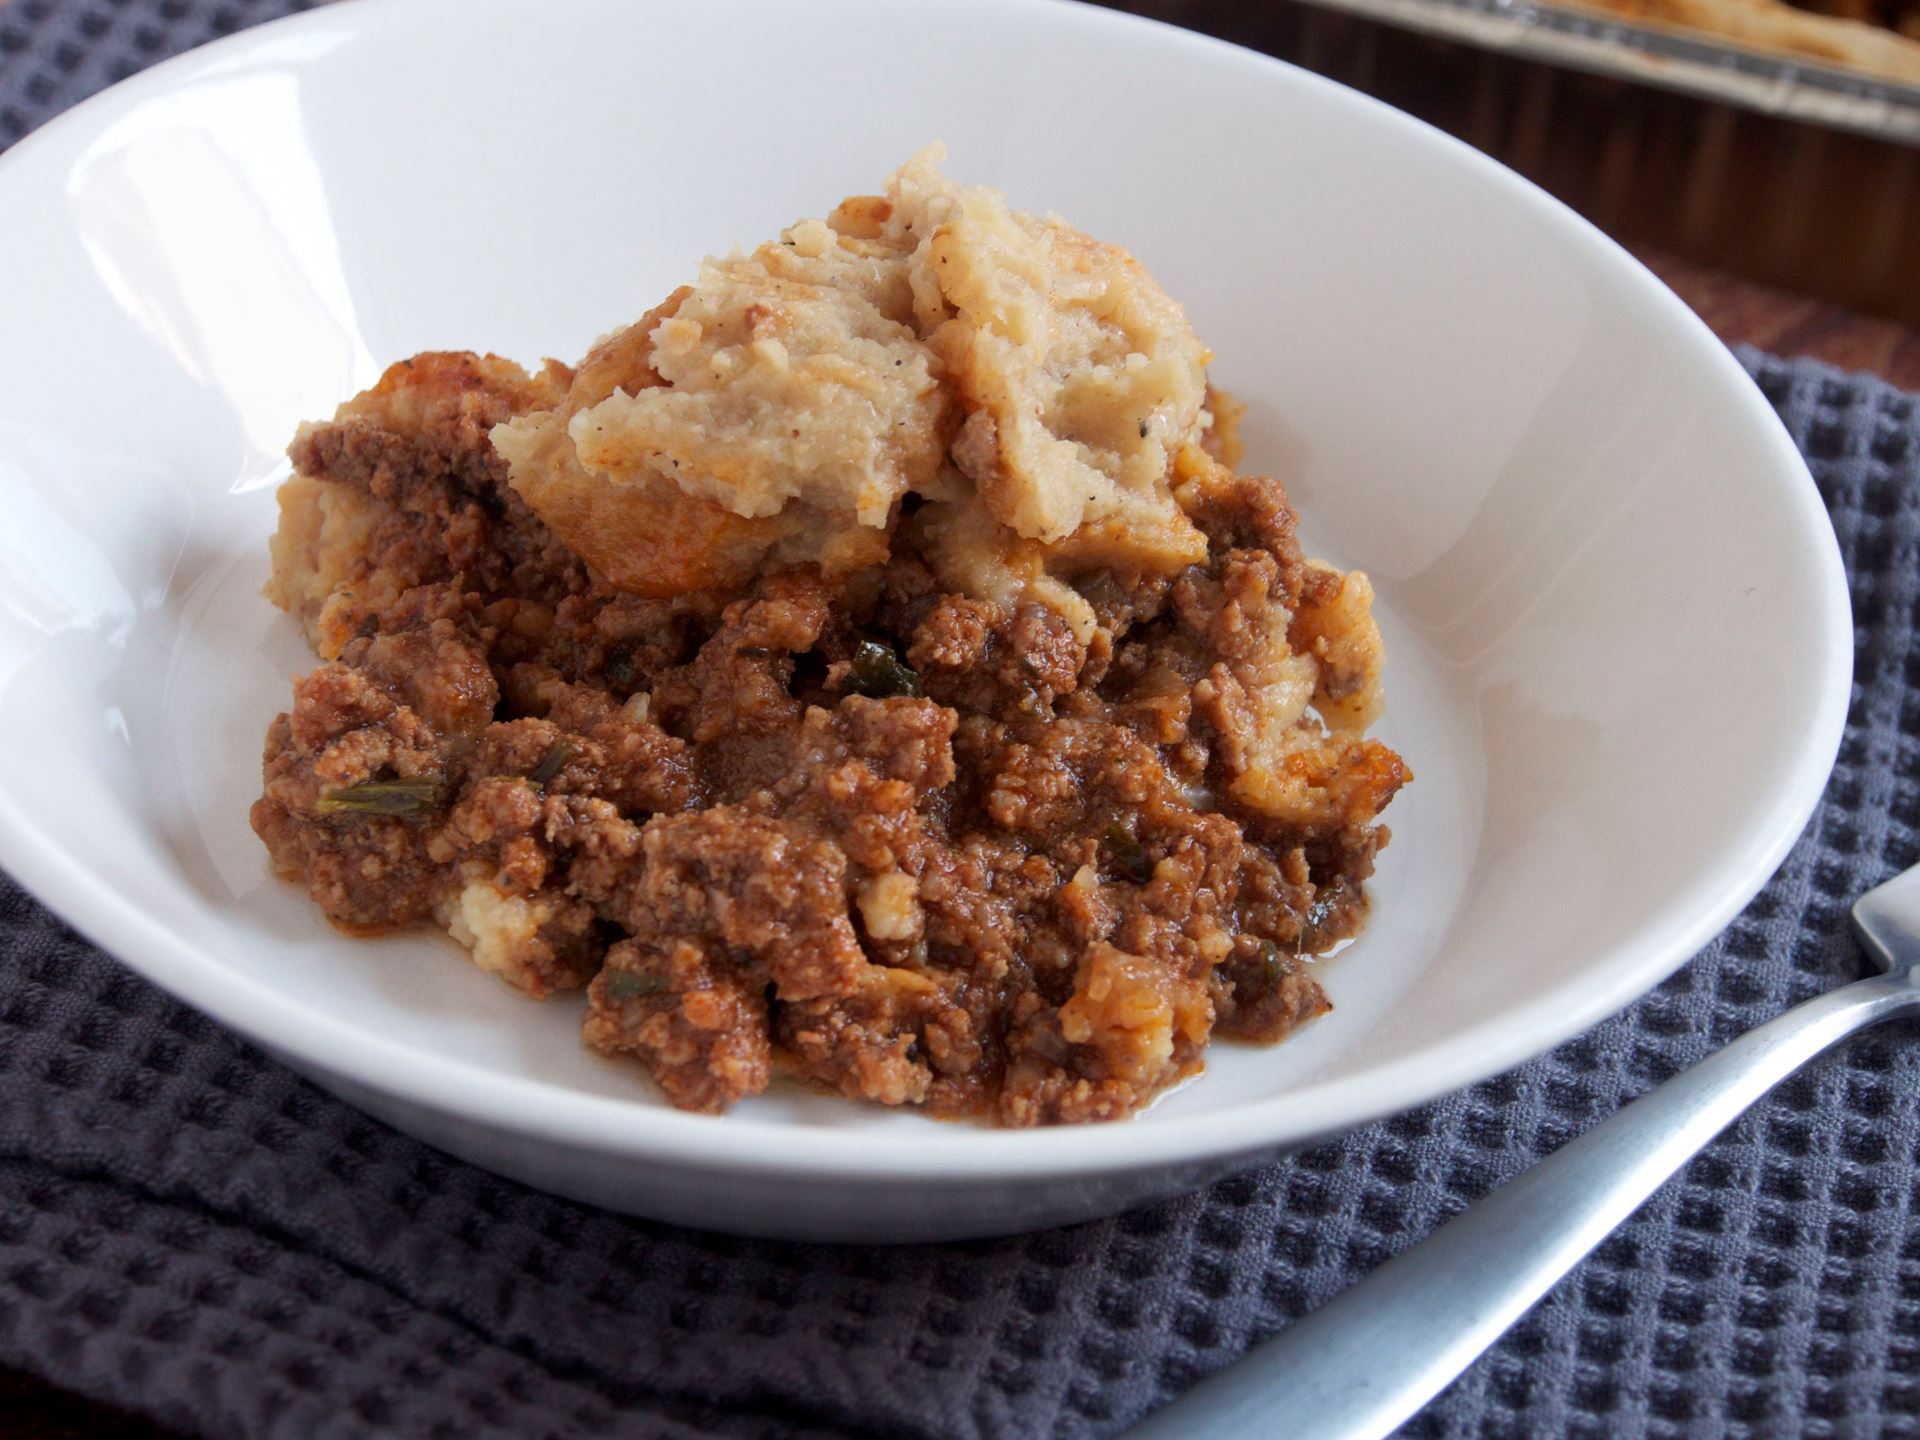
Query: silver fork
[[1363, 1363]]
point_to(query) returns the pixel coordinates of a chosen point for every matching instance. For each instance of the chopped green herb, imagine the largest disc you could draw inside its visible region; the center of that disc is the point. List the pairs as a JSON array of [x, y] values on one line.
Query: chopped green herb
[[552, 763], [1126, 856], [621, 670], [368, 628], [877, 672], [631, 985], [1273, 962], [752, 652], [1320, 916], [381, 797]]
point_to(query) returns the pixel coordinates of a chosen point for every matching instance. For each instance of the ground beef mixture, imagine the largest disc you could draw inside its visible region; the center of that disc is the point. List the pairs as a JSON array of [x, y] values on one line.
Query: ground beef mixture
[[902, 843]]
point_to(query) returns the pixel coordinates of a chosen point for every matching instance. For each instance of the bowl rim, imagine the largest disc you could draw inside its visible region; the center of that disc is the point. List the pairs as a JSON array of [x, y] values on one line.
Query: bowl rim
[[742, 1145]]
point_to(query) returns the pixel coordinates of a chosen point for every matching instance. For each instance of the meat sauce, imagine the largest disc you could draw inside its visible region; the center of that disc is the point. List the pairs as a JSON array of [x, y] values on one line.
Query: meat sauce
[[903, 843]]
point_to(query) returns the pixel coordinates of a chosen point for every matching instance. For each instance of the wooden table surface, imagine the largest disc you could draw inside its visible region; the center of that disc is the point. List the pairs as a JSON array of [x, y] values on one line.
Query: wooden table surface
[[1739, 312]]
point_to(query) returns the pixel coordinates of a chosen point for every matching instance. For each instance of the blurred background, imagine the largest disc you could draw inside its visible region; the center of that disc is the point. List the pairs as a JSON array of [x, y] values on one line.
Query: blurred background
[[1763, 158]]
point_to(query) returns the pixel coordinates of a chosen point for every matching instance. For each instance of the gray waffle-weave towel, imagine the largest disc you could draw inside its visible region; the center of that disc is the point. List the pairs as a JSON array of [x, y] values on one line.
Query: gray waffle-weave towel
[[188, 1230]]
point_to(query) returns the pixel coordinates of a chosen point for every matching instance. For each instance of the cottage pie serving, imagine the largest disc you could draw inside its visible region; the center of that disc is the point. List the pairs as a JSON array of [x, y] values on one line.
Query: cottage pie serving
[[866, 667]]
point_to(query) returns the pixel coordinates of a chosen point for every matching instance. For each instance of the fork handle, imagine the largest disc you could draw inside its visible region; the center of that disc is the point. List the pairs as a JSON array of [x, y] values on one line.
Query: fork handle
[[1363, 1363]]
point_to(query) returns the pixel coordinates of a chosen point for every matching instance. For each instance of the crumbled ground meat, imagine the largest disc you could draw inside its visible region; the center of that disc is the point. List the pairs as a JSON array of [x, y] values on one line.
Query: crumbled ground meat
[[906, 844]]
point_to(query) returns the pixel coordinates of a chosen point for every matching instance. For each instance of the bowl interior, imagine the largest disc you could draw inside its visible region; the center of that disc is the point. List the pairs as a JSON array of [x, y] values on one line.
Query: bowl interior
[[1618, 638]]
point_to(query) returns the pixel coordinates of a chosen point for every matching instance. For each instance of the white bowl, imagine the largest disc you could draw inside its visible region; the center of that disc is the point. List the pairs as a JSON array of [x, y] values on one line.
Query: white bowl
[[1619, 631]]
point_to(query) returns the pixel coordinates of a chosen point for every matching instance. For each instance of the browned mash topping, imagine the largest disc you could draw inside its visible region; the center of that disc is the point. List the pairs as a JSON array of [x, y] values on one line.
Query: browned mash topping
[[865, 666]]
